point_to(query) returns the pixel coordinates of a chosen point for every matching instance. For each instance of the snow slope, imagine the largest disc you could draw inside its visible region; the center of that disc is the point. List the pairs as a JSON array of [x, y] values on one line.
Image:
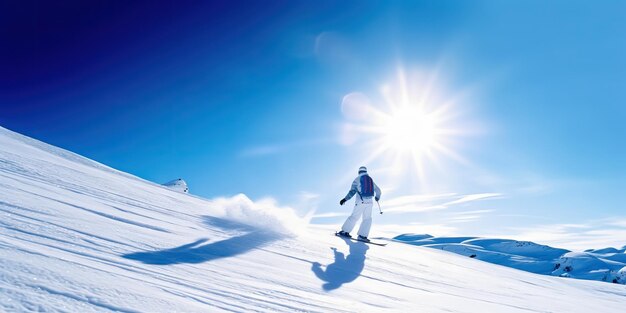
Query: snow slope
[[78, 236], [607, 265]]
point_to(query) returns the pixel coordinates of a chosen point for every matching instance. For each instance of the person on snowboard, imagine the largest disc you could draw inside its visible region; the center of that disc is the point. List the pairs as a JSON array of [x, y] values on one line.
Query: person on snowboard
[[365, 187]]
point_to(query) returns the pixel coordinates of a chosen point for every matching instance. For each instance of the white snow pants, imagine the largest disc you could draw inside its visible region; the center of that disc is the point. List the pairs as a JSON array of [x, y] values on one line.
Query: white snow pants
[[362, 208]]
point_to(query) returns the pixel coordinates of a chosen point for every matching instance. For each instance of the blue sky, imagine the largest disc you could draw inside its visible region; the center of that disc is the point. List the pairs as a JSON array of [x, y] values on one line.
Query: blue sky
[[247, 97]]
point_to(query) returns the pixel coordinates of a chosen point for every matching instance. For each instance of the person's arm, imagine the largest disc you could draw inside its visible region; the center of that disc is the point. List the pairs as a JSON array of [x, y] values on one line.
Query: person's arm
[[377, 191], [353, 190]]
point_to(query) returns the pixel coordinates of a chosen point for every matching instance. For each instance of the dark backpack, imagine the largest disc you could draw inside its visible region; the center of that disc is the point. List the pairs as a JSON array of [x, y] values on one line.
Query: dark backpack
[[367, 186]]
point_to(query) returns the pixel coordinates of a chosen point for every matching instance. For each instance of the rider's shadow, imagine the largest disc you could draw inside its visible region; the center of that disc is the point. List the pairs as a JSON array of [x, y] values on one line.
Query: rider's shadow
[[345, 269], [247, 239]]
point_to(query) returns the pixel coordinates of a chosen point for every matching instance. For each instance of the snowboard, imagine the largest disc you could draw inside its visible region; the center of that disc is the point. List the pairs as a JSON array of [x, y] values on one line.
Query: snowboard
[[368, 242]]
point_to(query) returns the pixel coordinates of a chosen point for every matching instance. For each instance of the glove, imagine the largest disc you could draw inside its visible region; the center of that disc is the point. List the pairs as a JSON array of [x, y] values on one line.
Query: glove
[[377, 198], [342, 201]]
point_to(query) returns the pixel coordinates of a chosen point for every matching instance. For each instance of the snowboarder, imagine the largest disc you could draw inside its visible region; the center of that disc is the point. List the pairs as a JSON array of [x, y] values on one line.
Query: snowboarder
[[366, 189]]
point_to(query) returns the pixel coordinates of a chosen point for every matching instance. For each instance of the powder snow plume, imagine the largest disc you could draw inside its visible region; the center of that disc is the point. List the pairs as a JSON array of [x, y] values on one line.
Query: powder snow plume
[[264, 214]]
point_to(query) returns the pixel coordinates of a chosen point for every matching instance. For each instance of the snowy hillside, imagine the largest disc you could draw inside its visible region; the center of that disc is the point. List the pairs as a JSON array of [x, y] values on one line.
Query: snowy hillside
[[607, 265], [78, 236]]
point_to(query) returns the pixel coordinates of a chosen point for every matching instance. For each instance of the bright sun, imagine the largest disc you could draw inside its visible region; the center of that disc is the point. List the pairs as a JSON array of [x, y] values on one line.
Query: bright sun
[[410, 128]]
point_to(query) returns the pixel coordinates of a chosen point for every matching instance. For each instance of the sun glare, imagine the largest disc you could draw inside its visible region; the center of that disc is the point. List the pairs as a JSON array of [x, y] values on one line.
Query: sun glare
[[408, 129]]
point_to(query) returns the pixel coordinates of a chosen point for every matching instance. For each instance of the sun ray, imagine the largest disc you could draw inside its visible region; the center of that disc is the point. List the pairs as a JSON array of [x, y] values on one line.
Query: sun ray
[[403, 87]]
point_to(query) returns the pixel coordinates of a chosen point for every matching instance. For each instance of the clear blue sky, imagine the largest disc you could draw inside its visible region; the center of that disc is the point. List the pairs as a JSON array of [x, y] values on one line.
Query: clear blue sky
[[247, 97]]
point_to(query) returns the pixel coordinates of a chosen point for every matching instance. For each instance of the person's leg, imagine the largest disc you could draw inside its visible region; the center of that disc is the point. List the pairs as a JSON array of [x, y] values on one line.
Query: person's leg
[[348, 225], [366, 223]]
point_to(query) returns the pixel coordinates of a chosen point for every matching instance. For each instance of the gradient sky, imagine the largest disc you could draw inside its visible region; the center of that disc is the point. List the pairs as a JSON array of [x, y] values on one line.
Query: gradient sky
[[247, 97]]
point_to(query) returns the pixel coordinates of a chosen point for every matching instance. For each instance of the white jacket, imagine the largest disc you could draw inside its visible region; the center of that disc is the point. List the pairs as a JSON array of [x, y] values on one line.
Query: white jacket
[[356, 188]]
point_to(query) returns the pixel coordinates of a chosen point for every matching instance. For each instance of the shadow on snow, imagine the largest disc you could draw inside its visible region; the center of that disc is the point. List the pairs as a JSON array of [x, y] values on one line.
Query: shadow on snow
[[202, 251], [344, 269]]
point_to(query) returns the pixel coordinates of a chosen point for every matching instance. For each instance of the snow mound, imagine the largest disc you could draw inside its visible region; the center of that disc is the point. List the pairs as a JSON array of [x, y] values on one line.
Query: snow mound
[[425, 239], [605, 250], [515, 247], [613, 254], [584, 265], [178, 185], [602, 264], [412, 237]]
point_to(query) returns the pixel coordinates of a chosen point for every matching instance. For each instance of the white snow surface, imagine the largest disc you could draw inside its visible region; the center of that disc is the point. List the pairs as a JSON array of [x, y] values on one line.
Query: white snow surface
[[78, 236]]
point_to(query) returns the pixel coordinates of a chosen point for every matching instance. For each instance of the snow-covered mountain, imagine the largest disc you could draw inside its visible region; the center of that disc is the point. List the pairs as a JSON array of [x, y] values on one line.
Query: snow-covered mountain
[[178, 185], [78, 236], [607, 265]]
